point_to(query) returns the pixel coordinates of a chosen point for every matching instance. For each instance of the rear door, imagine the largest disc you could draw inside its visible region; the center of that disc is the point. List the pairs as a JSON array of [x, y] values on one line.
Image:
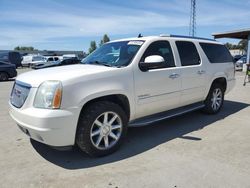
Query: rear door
[[193, 73]]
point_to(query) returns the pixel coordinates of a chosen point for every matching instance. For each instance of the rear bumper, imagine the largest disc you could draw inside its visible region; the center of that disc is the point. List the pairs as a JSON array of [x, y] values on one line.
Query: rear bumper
[[51, 127]]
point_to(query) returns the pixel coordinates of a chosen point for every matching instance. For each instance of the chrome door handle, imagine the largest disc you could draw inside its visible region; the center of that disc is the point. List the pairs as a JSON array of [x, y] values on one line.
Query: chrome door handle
[[174, 75], [201, 72]]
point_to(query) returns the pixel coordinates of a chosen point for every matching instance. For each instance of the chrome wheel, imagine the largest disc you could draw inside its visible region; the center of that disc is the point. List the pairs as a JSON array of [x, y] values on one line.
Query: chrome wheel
[[216, 99], [106, 130]]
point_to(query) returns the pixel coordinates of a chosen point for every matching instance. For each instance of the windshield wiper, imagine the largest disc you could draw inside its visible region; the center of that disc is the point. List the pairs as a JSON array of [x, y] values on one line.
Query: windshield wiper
[[101, 63]]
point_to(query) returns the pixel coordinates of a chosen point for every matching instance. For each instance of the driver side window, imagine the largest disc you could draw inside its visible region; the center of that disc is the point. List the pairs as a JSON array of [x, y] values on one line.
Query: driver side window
[[161, 48]]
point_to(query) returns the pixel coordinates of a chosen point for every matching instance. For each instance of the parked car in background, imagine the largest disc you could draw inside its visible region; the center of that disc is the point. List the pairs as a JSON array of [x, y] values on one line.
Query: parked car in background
[[237, 57], [7, 71], [239, 64], [53, 59], [11, 57], [32, 60], [70, 61], [68, 56], [47, 61]]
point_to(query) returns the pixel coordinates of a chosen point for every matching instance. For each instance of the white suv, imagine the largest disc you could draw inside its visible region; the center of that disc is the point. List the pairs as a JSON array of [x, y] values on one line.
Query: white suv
[[129, 82]]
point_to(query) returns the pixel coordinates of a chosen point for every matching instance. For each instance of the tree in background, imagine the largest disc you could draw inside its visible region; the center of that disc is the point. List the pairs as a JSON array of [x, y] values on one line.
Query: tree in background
[[231, 46], [92, 47], [104, 40], [25, 48], [242, 45]]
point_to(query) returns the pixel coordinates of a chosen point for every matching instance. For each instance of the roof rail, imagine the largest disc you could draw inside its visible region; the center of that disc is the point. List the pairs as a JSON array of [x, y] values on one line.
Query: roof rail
[[187, 37], [165, 35]]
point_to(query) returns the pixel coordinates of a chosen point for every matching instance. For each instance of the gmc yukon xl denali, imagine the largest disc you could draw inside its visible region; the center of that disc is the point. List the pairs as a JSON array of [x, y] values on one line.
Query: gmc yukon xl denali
[[129, 82]]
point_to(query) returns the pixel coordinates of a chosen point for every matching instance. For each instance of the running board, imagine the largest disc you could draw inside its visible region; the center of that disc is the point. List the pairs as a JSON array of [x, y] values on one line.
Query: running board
[[165, 115]]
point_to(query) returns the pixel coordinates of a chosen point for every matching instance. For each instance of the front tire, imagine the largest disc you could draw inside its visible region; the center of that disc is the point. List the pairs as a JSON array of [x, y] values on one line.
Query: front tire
[[102, 128], [214, 100], [4, 76]]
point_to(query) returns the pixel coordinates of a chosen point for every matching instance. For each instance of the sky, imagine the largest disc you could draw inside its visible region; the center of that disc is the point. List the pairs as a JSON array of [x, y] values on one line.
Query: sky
[[72, 24]]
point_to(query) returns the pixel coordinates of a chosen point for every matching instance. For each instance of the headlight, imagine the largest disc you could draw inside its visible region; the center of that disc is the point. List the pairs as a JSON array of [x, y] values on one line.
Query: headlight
[[49, 95]]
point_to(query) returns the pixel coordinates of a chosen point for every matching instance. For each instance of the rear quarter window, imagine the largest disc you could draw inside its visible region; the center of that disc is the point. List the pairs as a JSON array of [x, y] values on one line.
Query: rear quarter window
[[216, 53]]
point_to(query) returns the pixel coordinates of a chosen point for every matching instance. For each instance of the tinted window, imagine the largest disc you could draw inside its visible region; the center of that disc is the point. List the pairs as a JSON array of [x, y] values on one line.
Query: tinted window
[[70, 61], [216, 53], [56, 58], [37, 58], [163, 49], [188, 53], [67, 62], [15, 58], [4, 56], [50, 59]]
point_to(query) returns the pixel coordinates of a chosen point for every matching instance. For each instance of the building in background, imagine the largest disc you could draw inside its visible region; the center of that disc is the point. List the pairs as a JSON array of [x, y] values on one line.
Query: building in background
[[236, 52]]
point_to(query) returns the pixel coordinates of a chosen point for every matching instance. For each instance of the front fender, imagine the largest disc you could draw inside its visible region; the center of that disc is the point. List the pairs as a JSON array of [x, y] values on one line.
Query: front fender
[[96, 95]]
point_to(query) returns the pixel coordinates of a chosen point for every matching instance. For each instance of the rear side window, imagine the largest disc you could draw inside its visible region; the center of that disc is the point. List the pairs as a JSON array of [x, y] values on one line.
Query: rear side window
[[188, 53], [163, 49], [216, 53], [4, 56]]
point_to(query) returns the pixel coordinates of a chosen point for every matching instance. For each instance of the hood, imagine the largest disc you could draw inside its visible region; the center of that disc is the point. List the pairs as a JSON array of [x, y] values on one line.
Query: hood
[[63, 73]]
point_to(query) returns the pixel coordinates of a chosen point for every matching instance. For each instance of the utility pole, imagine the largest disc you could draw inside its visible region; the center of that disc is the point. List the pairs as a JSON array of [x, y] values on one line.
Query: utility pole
[[192, 24]]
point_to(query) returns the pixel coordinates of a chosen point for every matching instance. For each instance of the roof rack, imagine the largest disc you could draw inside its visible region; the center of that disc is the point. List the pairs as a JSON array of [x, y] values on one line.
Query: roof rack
[[165, 35], [187, 37]]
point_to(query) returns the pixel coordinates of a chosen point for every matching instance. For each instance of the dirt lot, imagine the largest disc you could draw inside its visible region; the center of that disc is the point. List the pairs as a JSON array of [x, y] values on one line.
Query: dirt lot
[[194, 150]]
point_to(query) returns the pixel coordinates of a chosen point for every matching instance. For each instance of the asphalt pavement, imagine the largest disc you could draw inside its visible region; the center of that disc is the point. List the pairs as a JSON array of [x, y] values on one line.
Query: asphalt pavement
[[193, 150]]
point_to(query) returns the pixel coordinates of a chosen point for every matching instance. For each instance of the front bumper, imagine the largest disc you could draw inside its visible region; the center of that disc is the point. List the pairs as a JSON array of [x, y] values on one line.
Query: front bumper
[[51, 127]]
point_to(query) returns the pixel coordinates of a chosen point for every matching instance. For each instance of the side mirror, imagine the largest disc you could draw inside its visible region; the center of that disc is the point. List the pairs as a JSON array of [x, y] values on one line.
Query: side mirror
[[152, 62]]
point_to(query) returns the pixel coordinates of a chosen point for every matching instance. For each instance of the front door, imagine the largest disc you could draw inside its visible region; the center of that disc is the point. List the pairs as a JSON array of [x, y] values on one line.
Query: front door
[[158, 89]]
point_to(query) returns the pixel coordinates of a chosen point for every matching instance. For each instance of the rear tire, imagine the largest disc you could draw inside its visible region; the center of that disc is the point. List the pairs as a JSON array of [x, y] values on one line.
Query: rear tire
[[101, 129], [214, 100], [4, 76]]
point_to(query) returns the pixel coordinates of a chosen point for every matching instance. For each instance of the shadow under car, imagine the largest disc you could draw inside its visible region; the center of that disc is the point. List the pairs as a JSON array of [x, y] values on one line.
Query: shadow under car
[[140, 139]]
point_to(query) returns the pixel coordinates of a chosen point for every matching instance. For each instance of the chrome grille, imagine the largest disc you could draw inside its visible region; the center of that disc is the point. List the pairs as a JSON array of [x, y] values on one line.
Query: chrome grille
[[19, 94]]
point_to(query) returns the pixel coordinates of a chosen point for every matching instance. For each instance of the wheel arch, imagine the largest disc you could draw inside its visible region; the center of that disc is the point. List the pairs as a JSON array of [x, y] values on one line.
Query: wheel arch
[[6, 72], [220, 80], [120, 99]]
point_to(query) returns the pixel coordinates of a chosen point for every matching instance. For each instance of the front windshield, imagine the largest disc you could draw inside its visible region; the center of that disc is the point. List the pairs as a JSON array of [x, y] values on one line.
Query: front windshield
[[115, 54]]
